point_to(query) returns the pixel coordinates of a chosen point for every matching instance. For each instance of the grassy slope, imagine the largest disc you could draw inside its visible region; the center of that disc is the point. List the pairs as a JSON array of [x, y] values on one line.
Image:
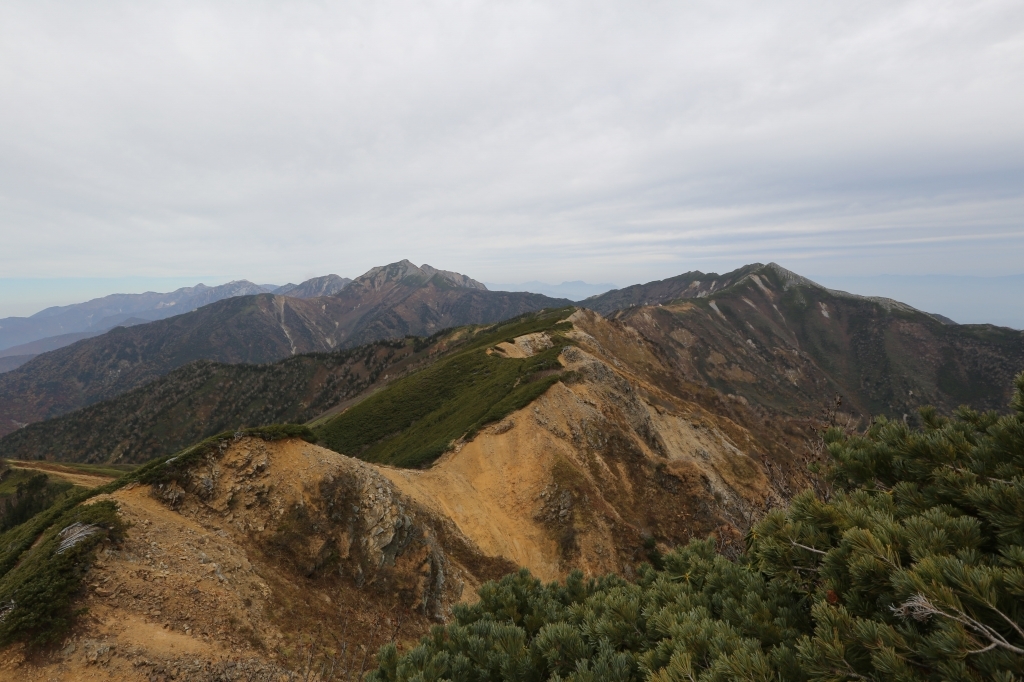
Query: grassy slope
[[11, 479], [413, 421]]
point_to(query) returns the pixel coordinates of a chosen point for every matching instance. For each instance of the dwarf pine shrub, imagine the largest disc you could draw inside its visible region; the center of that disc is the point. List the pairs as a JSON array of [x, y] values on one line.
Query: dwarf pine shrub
[[911, 571]]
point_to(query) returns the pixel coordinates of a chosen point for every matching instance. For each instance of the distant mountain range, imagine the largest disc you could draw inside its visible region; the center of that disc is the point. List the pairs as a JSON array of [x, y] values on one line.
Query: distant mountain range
[[386, 302], [760, 336], [22, 338], [101, 314], [575, 291], [974, 300], [970, 364]]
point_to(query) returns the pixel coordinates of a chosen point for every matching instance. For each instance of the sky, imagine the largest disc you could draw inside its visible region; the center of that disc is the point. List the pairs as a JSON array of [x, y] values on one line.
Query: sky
[[619, 142]]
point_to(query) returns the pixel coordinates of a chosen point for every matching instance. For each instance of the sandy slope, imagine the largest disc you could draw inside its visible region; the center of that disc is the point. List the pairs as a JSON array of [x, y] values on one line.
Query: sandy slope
[[207, 585], [608, 458]]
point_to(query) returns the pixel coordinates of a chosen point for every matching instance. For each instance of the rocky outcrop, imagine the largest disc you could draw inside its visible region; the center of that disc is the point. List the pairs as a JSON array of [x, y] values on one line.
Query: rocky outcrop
[[339, 518]]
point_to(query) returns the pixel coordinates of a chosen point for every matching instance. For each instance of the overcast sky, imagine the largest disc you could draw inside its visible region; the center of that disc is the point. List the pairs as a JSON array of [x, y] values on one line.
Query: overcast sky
[[512, 141]]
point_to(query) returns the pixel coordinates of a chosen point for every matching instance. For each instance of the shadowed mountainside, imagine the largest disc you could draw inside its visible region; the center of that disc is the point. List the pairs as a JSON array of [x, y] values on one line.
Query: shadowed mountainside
[[386, 303], [16, 356], [204, 398], [9, 362], [774, 338]]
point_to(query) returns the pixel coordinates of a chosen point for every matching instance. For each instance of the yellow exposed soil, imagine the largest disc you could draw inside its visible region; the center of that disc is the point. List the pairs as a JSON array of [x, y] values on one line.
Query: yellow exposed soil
[[497, 488], [199, 586]]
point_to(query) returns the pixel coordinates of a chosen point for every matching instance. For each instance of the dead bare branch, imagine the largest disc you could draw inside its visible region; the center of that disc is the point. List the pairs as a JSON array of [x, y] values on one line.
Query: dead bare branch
[[920, 608]]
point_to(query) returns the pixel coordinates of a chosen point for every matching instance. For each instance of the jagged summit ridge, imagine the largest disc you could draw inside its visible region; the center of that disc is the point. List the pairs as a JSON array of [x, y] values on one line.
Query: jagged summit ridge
[[406, 272], [696, 284]]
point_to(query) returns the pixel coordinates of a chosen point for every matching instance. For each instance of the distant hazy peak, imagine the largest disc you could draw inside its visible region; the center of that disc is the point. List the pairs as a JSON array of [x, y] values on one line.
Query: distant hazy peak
[[100, 314], [376, 278], [152, 299], [576, 290]]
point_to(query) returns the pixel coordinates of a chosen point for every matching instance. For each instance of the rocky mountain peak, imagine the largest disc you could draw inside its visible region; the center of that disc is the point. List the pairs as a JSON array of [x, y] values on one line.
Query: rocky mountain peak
[[788, 277], [408, 273]]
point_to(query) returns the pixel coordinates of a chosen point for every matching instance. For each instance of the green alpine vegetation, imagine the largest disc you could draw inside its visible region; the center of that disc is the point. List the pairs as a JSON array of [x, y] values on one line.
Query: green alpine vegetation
[[414, 420], [23, 494], [911, 569]]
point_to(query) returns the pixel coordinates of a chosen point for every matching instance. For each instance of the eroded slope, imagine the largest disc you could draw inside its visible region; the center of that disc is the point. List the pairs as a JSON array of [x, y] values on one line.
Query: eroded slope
[[252, 559]]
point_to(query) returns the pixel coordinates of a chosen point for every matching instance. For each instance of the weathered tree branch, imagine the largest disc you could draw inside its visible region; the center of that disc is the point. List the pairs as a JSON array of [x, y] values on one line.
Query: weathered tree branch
[[919, 607]]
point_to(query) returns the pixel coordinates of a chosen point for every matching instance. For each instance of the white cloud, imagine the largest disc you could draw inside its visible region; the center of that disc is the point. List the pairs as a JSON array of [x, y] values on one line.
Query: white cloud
[[513, 141]]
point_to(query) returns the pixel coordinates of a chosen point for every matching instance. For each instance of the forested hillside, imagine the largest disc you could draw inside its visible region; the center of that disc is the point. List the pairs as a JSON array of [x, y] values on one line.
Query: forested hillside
[[205, 398]]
